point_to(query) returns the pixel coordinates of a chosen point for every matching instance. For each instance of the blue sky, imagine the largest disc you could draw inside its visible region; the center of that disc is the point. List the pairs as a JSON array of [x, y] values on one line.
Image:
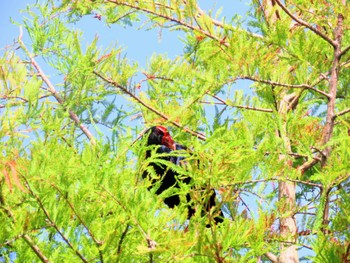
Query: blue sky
[[139, 44]]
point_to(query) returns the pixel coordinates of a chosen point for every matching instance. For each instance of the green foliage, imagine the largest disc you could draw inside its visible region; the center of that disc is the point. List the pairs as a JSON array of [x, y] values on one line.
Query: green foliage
[[71, 186]]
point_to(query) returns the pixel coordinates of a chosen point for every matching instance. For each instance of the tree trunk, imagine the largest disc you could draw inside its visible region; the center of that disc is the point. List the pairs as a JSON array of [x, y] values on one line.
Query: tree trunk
[[286, 190]]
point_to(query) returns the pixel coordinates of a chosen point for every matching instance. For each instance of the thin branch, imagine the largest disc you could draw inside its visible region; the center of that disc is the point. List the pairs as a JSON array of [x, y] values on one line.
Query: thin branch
[[304, 23], [151, 77], [53, 91], [305, 213], [42, 207], [253, 193], [151, 243], [293, 243], [276, 179], [222, 25], [35, 248], [123, 89], [308, 164], [31, 243], [169, 18], [25, 236], [274, 83], [122, 237], [97, 242], [342, 113], [240, 106], [124, 15], [345, 50], [35, 230]]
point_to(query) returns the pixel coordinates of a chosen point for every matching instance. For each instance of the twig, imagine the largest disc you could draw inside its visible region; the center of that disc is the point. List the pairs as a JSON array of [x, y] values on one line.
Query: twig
[[169, 18], [307, 165], [42, 207], [151, 243], [342, 113], [97, 242], [275, 179], [220, 24], [274, 83], [344, 51], [304, 23], [122, 237], [241, 106], [35, 248], [293, 243], [123, 89], [25, 236], [53, 91], [36, 229]]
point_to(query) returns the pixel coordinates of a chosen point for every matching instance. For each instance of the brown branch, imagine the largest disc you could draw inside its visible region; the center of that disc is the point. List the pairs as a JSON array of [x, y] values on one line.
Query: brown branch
[[345, 50], [240, 106], [307, 165], [295, 243], [42, 207], [169, 18], [125, 90], [122, 237], [54, 92], [151, 243], [304, 23], [325, 213], [277, 179], [342, 113], [25, 236], [97, 242], [274, 83], [222, 25], [35, 248], [330, 117]]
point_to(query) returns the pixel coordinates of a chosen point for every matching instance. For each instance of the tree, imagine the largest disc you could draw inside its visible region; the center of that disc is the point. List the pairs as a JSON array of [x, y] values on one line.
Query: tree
[[277, 151]]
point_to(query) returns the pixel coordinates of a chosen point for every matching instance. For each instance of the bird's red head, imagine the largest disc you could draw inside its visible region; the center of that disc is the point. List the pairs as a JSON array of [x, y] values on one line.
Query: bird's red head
[[167, 140], [159, 135]]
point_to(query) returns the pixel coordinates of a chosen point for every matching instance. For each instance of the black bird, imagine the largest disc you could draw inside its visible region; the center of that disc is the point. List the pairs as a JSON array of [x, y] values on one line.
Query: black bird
[[160, 137]]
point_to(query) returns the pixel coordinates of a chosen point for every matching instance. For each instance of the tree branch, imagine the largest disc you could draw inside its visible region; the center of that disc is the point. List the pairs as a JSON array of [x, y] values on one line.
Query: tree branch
[[42, 207], [35, 248], [222, 25], [271, 257], [304, 23], [151, 243], [274, 83], [279, 180], [122, 237], [125, 90], [97, 242], [345, 50], [240, 106], [342, 113], [54, 92], [169, 18]]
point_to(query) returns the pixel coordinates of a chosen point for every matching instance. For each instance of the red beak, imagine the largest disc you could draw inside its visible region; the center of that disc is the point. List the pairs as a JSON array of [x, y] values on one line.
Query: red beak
[[168, 142]]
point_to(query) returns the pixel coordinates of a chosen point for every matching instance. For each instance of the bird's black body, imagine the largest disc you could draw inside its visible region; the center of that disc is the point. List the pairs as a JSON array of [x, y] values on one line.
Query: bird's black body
[[168, 177]]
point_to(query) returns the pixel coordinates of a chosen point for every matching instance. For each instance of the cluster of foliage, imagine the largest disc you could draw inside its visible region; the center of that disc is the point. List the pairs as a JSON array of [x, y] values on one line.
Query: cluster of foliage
[[70, 182]]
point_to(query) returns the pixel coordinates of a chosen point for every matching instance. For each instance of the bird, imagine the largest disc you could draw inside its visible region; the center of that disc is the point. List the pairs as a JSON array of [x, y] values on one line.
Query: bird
[[166, 177]]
